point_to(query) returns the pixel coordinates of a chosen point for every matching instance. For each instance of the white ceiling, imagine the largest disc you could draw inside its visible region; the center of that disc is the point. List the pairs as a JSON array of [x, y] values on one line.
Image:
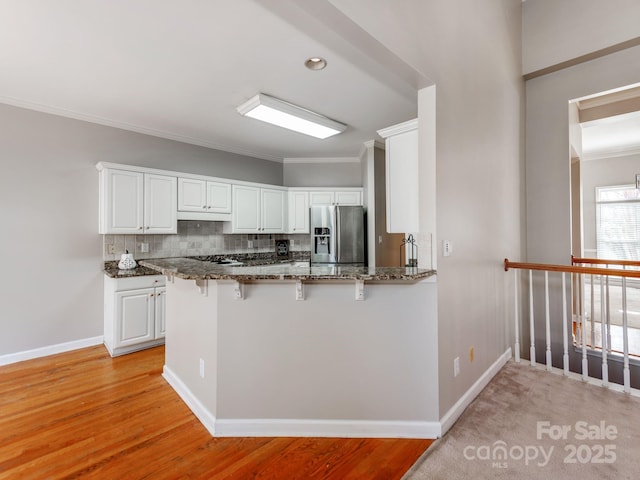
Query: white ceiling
[[611, 136], [179, 69]]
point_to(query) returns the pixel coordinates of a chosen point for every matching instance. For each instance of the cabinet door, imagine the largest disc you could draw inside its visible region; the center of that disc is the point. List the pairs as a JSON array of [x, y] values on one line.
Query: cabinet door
[[121, 201], [160, 205], [135, 322], [298, 212], [274, 211], [246, 209], [160, 317], [218, 197], [321, 198], [349, 198], [402, 182], [192, 195]]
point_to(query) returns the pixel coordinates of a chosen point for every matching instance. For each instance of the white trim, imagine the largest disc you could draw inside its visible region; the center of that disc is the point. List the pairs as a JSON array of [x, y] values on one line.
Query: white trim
[[449, 418], [63, 112], [321, 160], [199, 410], [276, 427], [325, 428], [625, 151], [50, 350], [399, 128]]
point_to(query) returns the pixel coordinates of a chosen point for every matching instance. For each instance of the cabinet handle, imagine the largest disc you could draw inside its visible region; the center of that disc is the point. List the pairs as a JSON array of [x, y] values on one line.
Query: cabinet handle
[[151, 294], [204, 206], [139, 228]]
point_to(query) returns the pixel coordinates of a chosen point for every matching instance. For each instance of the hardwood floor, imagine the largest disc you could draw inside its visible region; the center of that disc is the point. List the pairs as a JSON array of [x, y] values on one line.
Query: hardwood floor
[[84, 414]]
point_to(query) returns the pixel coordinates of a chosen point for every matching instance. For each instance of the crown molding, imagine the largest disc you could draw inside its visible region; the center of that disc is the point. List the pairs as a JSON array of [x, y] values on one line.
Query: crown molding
[[62, 112], [611, 153], [321, 160]]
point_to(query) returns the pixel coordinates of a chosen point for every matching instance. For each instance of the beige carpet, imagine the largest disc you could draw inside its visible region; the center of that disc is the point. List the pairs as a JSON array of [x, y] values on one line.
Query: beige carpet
[[530, 424]]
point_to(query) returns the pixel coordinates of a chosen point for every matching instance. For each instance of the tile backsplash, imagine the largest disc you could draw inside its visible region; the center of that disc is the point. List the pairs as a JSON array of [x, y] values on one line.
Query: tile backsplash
[[197, 238]]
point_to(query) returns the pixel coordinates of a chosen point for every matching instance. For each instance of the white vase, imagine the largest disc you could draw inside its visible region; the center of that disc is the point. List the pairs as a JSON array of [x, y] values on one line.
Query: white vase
[[126, 262]]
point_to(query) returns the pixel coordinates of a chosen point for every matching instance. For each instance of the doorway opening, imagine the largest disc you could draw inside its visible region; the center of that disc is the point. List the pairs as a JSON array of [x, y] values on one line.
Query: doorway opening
[[605, 208]]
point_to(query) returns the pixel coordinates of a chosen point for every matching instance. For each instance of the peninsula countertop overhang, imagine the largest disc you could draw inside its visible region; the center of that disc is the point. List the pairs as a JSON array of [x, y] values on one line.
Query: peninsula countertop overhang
[[191, 269]]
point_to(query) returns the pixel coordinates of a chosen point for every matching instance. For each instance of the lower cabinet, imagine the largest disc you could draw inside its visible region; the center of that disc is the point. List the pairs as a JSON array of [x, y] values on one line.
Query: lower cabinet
[[134, 313]]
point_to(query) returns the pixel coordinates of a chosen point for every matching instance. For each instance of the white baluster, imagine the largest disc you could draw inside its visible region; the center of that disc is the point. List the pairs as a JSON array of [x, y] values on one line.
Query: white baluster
[[585, 361], [593, 323], [625, 338], [603, 336], [547, 321], [532, 349], [608, 310], [565, 335], [517, 320]]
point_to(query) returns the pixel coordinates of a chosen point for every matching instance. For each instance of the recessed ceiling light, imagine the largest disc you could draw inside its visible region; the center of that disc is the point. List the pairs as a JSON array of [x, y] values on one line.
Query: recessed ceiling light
[[315, 63], [283, 114]]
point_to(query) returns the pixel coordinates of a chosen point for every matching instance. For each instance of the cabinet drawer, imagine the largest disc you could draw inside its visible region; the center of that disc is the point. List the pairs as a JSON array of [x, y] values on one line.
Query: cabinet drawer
[[131, 283]]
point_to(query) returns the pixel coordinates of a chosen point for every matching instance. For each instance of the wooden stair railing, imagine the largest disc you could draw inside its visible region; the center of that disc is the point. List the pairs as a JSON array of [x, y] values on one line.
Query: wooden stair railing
[[578, 271]]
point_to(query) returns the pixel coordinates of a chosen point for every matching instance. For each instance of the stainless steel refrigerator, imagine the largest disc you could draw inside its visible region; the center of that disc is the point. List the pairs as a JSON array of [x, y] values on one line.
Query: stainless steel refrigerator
[[338, 234]]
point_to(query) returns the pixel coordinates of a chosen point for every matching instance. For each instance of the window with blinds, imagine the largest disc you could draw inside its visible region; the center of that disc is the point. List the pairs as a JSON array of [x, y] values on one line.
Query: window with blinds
[[618, 222]]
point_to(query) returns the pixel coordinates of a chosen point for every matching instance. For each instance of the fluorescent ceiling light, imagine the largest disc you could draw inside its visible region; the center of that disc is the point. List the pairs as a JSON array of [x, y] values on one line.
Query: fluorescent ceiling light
[[286, 115]]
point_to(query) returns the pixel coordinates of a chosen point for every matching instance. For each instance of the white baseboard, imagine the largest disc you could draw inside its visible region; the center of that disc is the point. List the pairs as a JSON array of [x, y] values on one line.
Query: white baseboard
[[50, 350], [199, 410], [447, 421], [276, 427]]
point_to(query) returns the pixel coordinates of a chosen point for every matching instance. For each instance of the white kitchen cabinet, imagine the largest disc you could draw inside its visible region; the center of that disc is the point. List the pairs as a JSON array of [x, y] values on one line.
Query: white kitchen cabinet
[[203, 196], [348, 197], [258, 210], [274, 210], [134, 313], [298, 211], [343, 196], [134, 202], [401, 163]]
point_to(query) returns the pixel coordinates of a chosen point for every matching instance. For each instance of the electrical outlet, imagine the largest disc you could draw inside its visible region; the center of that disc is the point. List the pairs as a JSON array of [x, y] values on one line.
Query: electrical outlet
[[249, 243], [456, 366], [447, 248], [380, 239], [471, 354], [111, 249], [144, 247], [201, 368]]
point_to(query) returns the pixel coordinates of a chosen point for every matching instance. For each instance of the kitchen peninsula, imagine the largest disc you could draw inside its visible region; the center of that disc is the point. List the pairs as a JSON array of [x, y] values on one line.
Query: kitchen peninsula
[[292, 349]]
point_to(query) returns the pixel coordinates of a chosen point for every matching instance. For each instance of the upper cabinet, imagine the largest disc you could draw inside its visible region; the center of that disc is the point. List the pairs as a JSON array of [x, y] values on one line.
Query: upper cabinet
[[203, 199], [298, 211], [401, 162], [137, 202], [342, 196], [258, 210]]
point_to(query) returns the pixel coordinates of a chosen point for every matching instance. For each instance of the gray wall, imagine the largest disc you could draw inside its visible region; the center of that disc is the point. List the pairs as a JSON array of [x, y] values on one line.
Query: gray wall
[[548, 170], [51, 287], [555, 31], [322, 174], [472, 52], [600, 173]]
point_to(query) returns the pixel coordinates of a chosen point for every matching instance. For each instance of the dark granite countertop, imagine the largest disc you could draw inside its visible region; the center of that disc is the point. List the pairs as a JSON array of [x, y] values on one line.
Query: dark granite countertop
[[192, 269], [111, 270]]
